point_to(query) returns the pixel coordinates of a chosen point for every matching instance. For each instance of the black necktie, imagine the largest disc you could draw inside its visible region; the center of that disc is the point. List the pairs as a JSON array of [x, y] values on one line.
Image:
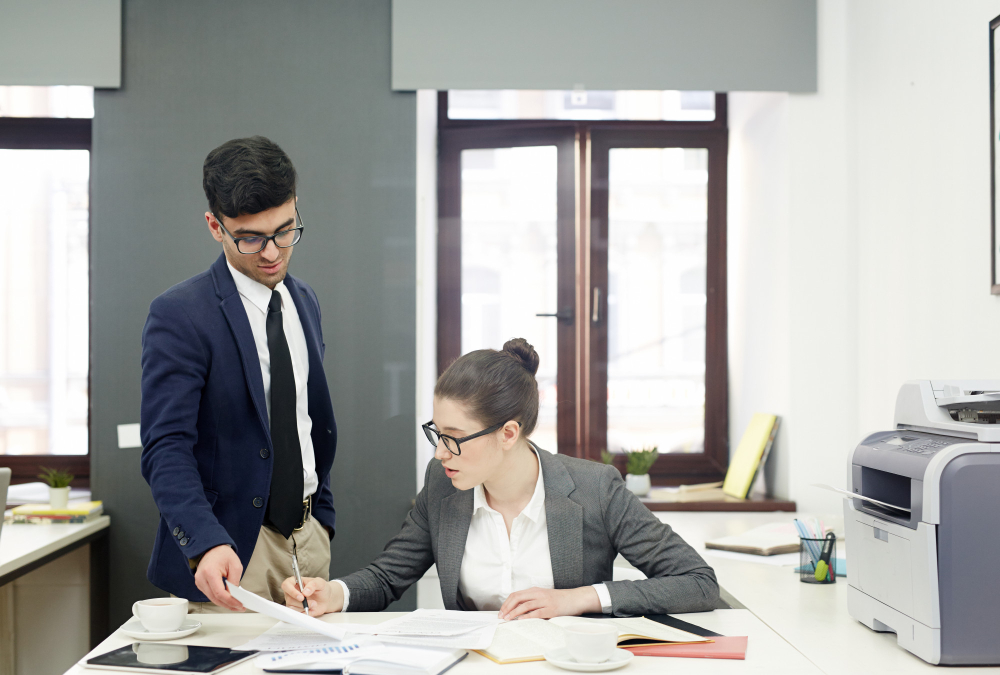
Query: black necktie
[[284, 508]]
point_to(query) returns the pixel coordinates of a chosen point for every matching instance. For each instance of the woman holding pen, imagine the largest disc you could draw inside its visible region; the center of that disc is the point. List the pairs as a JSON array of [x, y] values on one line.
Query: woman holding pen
[[514, 528]]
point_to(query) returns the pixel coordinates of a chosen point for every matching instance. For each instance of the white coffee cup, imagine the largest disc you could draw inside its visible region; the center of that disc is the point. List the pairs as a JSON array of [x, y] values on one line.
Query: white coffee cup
[[591, 642], [161, 615]]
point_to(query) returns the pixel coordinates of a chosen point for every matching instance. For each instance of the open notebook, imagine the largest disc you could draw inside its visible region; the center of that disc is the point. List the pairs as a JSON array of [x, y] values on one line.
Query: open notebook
[[770, 539], [528, 640]]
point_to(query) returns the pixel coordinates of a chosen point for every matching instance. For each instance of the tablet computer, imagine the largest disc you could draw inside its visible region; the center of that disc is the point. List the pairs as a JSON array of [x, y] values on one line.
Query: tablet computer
[[159, 657]]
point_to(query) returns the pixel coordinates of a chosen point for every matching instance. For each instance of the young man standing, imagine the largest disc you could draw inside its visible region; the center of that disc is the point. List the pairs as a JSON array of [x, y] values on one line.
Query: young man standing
[[238, 432]]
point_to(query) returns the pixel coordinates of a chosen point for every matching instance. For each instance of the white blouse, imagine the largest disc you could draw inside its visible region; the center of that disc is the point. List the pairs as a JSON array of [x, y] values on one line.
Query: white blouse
[[495, 565]]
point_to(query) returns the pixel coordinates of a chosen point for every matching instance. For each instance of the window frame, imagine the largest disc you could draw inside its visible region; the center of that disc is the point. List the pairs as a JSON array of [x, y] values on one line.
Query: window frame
[[581, 215], [50, 133]]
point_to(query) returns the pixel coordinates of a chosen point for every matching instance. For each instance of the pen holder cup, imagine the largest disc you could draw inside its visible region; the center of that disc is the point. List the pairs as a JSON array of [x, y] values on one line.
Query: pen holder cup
[[811, 550]]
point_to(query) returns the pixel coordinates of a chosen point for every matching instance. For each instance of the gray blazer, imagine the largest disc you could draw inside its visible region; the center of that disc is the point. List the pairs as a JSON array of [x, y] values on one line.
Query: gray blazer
[[591, 518]]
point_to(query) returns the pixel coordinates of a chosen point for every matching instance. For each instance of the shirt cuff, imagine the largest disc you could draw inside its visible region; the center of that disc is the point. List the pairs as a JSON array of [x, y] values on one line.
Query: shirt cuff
[[347, 594], [603, 595]]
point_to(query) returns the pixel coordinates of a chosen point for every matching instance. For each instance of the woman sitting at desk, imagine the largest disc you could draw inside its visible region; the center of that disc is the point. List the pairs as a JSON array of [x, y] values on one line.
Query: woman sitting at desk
[[515, 528]]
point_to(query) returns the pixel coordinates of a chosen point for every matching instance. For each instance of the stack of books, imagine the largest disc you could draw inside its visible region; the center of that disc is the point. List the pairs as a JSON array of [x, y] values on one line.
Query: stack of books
[[44, 514]]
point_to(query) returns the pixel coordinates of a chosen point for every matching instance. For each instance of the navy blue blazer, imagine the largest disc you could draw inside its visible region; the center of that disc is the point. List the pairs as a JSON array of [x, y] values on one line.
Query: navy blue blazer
[[206, 441]]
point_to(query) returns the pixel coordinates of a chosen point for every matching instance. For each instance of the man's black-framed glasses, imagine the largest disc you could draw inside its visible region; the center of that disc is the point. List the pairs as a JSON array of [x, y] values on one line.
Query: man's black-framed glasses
[[454, 445], [257, 243]]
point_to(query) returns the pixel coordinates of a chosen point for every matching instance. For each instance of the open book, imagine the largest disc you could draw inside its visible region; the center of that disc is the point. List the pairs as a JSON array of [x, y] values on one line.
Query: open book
[[528, 640]]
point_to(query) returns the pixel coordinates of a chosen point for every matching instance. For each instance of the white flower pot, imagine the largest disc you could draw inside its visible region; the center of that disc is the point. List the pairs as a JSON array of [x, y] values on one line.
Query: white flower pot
[[58, 498], [637, 485]]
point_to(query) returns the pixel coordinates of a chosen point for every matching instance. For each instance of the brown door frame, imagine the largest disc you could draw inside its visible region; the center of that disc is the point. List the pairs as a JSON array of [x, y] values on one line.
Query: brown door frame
[[580, 214], [670, 468]]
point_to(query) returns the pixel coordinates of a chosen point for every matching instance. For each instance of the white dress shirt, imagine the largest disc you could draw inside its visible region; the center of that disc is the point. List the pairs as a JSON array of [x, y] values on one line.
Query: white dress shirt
[[256, 297], [495, 565]]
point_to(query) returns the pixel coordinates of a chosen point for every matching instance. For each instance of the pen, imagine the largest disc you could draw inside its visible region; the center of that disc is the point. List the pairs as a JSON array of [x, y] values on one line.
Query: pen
[[298, 578]]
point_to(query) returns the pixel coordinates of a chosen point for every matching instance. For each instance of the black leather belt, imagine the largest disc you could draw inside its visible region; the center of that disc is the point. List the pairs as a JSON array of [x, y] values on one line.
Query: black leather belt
[[307, 507]]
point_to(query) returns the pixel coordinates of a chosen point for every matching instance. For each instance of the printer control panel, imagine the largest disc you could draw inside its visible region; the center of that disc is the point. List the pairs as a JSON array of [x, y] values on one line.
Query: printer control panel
[[914, 443]]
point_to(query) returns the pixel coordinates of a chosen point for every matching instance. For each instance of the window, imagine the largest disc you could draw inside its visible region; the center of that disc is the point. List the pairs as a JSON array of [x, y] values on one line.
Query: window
[[44, 275], [593, 224]]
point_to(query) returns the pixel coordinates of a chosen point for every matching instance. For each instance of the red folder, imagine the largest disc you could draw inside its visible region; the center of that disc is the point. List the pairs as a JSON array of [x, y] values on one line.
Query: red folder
[[722, 648]]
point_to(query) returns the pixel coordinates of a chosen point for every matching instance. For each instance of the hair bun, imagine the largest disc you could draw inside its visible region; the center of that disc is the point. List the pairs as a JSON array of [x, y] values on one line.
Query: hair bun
[[525, 354]]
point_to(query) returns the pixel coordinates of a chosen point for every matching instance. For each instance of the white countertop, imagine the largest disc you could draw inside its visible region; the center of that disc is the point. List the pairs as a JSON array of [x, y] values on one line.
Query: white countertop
[[766, 652], [22, 545], [812, 618]]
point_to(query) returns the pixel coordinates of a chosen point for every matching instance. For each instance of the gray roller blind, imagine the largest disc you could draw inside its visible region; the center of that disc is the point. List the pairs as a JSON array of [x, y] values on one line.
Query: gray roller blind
[[717, 45], [53, 42]]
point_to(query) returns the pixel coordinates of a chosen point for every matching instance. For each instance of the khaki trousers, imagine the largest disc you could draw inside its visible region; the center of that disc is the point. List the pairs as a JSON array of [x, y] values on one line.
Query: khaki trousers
[[271, 563]]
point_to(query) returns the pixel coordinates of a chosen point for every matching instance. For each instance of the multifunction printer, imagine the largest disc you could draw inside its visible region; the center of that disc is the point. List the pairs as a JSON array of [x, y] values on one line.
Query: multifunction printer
[[924, 547]]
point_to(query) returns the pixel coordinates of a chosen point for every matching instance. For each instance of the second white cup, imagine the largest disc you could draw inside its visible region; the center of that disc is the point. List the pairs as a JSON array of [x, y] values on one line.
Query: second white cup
[[161, 615], [592, 642]]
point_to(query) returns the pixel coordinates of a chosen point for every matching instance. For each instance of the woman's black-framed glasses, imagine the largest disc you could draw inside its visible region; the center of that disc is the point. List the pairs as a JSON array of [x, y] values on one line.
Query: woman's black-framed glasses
[[454, 445], [257, 243]]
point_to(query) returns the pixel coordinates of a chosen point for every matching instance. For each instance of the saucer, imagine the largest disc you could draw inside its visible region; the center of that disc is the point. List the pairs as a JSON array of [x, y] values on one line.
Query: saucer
[[561, 658], [135, 629]]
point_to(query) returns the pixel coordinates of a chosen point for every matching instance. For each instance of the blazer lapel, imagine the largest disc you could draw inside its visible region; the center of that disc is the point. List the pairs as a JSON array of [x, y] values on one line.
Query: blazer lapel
[[455, 518], [564, 519], [236, 316], [317, 387]]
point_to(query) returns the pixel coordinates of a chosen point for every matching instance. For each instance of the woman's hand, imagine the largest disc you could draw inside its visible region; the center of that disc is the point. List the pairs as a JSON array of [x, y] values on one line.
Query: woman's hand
[[545, 603], [324, 596]]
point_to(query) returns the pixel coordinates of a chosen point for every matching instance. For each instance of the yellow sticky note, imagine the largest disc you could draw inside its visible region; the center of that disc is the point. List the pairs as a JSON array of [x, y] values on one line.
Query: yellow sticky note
[[743, 466]]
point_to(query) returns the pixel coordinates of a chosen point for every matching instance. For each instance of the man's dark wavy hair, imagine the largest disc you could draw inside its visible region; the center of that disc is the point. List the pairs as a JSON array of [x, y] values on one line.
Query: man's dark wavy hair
[[246, 176]]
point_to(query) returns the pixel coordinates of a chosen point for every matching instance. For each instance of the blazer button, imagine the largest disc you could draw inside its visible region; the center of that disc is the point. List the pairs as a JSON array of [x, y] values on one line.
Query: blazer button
[[184, 541], [258, 502], [181, 535], [264, 452], [176, 530]]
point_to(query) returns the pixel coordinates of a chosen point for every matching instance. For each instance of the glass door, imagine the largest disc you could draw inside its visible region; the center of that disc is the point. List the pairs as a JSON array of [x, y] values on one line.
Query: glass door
[[657, 257], [603, 243], [505, 215]]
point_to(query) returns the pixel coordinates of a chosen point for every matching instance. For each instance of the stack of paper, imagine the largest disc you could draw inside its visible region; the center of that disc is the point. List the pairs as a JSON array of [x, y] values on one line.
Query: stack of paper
[[424, 627], [44, 514]]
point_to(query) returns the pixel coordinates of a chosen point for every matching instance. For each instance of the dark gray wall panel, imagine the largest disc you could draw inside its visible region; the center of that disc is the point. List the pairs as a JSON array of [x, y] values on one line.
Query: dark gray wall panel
[[314, 76]]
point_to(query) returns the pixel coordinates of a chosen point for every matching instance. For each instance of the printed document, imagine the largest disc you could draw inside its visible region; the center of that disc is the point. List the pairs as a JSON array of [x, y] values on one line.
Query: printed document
[[283, 637], [287, 614]]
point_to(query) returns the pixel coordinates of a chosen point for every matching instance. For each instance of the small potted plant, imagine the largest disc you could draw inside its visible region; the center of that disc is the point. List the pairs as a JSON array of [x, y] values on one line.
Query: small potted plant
[[637, 465], [58, 482]]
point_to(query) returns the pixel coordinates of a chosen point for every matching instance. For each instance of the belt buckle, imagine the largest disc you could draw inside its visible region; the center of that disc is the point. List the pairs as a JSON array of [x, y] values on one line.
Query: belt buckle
[[306, 504]]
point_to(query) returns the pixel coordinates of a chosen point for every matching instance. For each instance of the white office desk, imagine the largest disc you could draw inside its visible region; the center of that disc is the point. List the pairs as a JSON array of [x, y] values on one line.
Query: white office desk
[[793, 627], [25, 547], [813, 618], [68, 589], [767, 654]]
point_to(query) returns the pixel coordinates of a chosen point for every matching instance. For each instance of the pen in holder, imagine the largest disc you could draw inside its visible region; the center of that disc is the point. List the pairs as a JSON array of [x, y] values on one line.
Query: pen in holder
[[816, 560]]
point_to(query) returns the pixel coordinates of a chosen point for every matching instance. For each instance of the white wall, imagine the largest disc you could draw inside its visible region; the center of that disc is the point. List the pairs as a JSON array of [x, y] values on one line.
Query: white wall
[[426, 273], [922, 89], [859, 253], [758, 267]]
